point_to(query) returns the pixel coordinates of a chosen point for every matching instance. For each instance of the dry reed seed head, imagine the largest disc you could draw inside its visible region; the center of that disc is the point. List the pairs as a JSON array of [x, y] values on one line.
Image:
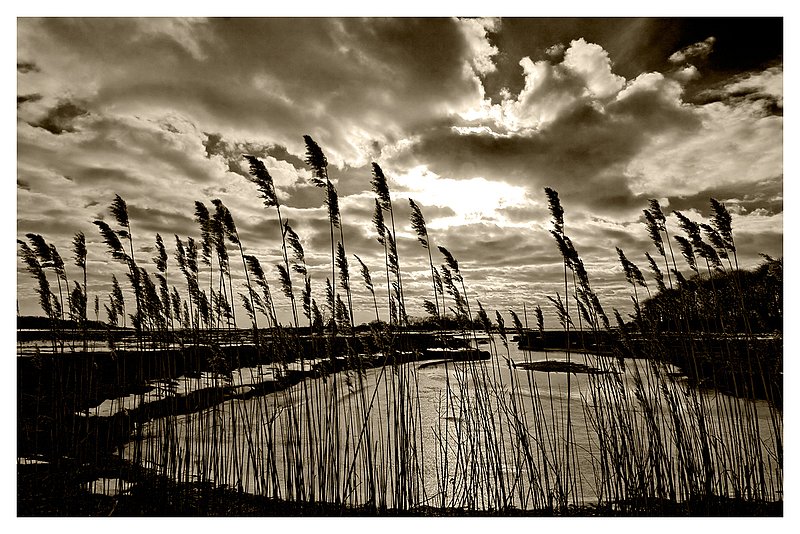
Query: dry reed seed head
[[254, 266], [263, 180], [29, 257], [430, 308], [344, 268], [111, 240], [380, 187], [418, 223], [258, 304], [563, 316], [392, 246], [655, 211], [180, 255], [625, 265], [539, 318], [378, 221], [306, 298], [342, 314], [365, 274], [160, 259], [191, 255], [315, 158], [317, 314], [79, 249], [119, 209], [501, 326], [687, 251], [57, 262], [620, 322], [225, 221], [203, 218], [447, 279], [392, 310], [437, 281], [517, 323], [563, 247], [659, 276], [247, 306], [716, 240], [636, 273], [598, 309], [689, 227], [329, 299], [294, 242], [111, 313], [286, 281], [34, 268], [448, 257], [332, 202], [117, 298], [483, 317], [654, 230], [722, 222], [708, 253], [557, 212], [585, 314], [43, 250]]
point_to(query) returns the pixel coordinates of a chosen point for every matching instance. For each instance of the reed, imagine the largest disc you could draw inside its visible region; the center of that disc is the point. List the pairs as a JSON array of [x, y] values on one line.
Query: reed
[[590, 415]]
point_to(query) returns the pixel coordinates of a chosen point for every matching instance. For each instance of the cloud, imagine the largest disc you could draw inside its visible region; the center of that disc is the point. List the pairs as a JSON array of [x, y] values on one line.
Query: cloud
[[25, 67], [698, 50], [60, 119], [763, 90], [476, 32], [686, 74], [592, 64], [346, 82], [22, 99], [168, 125]]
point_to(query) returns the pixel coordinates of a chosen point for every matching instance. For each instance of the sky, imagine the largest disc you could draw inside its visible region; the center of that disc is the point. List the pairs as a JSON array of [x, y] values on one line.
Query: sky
[[471, 118]]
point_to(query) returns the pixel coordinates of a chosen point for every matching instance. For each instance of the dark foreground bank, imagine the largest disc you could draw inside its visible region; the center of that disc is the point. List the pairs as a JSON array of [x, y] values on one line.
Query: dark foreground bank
[[46, 490]]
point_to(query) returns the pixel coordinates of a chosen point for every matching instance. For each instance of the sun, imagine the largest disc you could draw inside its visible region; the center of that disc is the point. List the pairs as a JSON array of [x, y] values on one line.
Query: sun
[[472, 200]]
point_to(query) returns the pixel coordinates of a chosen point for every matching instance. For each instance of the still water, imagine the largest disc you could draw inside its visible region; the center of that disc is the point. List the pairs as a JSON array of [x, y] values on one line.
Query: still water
[[479, 435]]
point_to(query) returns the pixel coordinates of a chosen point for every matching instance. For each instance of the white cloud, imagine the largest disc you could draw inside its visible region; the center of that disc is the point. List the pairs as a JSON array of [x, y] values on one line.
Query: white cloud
[[736, 144], [553, 89], [652, 82], [476, 33], [768, 82], [697, 50], [592, 64], [686, 74]]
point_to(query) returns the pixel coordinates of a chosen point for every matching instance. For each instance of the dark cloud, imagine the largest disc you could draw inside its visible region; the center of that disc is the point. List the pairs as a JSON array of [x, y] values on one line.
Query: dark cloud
[[61, 119], [25, 67], [765, 103], [766, 195], [22, 99]]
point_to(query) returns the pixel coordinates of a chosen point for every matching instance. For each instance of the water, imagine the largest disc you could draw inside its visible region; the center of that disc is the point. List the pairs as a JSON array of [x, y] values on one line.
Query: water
[[477, 435]]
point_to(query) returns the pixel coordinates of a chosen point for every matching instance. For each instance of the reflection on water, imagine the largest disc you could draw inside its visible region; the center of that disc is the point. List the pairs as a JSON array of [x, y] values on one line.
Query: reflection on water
[[479, 435]]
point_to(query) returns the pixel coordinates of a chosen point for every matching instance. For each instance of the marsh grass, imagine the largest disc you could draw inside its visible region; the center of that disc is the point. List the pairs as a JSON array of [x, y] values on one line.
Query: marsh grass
[[330, 415]]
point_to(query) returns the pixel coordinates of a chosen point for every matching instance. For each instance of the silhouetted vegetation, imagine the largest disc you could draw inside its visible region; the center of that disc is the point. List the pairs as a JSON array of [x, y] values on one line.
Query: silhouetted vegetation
[[169, 407]]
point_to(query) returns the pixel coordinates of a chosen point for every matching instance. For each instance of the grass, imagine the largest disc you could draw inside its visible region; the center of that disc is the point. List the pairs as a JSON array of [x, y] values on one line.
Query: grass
[[339, 420]]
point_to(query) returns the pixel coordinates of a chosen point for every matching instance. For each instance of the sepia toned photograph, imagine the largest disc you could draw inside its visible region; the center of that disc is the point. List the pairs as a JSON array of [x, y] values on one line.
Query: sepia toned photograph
[[395, 267]]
